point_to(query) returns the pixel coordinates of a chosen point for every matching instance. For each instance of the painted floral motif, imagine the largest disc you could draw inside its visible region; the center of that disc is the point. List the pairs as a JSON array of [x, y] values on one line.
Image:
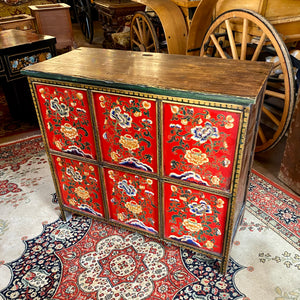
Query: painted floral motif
[[79, 185], [123, 120], [67, 120], [127, 128], [132, 200], [19, 63], [128, 142], [69, 131], [202, 142], [195, 217], [205, 133], [196, 157]]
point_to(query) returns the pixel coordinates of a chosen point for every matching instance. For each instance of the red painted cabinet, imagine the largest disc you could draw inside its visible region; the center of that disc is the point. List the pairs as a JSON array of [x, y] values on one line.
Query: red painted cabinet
[[129, 144]]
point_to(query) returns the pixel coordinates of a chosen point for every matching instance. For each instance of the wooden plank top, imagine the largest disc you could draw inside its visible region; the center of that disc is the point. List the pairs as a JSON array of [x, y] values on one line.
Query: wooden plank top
[[13, 38], [159, 72]]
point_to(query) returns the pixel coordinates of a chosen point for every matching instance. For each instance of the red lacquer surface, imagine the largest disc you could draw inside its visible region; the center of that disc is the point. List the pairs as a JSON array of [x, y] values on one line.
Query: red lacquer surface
[[132, 200], [194, 217], [127, 129], [67, 120], [79, 185], [199, 144]]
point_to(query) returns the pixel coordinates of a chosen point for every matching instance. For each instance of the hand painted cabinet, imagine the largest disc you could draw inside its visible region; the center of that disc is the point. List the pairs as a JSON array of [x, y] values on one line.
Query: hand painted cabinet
[[160, 144]]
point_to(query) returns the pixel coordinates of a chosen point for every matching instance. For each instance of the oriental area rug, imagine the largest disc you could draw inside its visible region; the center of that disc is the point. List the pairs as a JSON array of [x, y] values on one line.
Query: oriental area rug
[[43, 257]]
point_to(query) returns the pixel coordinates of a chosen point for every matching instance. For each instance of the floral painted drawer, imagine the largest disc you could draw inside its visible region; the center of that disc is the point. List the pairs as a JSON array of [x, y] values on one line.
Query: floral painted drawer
[[79, 185], [195, 217], [132, 200], [201, 143], [67, 121], [127, 130]]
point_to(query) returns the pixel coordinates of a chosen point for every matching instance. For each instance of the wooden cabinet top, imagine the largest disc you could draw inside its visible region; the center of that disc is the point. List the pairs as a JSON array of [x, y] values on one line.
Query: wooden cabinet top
[[13, 38], [174, 75]]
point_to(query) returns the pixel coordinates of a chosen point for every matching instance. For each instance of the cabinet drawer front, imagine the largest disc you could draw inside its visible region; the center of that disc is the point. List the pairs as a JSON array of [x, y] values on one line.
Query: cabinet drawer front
[[194, 217], [67, 120], [127, 130], [132, 200], [79, 185], [199, 144]]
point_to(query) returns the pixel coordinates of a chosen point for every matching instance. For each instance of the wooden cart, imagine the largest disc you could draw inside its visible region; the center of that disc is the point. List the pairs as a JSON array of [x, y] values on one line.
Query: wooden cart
[[260, 30]]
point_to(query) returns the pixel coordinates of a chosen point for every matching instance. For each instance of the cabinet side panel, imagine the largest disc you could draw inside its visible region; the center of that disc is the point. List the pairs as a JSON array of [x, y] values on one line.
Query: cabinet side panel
[[253, 112]]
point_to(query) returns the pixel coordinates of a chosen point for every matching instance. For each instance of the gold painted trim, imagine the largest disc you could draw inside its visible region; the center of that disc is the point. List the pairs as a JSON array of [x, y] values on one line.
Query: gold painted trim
[[148, 96]]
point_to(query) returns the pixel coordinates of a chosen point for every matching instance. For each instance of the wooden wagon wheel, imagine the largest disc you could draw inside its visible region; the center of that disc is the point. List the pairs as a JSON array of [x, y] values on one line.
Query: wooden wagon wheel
[[245, 35], [142, 34], [83, 14]]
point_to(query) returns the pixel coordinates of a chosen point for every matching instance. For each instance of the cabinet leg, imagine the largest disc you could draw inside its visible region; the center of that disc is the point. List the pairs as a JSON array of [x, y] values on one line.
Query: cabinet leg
[[223, 266]]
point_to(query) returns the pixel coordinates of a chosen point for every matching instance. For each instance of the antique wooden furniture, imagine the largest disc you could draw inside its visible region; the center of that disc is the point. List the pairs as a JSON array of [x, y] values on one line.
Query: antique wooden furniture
[[113, 13], [20, 22], [246, 30], [290, 166], [55, 20], [162, 144], [19, 49]]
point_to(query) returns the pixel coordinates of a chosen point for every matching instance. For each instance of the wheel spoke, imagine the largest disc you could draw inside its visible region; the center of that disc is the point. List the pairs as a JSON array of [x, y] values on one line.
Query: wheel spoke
[[150, 46], [244, 39], [135, 42], [231, 40], [259, 47], [275, 94], [144, 32], [137, 33], [271, 116], [218, 46], [262, 135], [148, 34], [140, 30]]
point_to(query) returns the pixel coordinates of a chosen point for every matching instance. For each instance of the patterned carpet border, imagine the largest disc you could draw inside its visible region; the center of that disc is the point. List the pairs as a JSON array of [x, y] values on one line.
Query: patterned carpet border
[[283, 215]]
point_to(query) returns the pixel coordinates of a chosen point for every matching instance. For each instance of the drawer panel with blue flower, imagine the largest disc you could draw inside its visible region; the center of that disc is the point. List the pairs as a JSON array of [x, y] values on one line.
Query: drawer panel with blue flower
[[132, 200], [127, 130], [201, 144], [194, 217], [67, 121], [79, 185]]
